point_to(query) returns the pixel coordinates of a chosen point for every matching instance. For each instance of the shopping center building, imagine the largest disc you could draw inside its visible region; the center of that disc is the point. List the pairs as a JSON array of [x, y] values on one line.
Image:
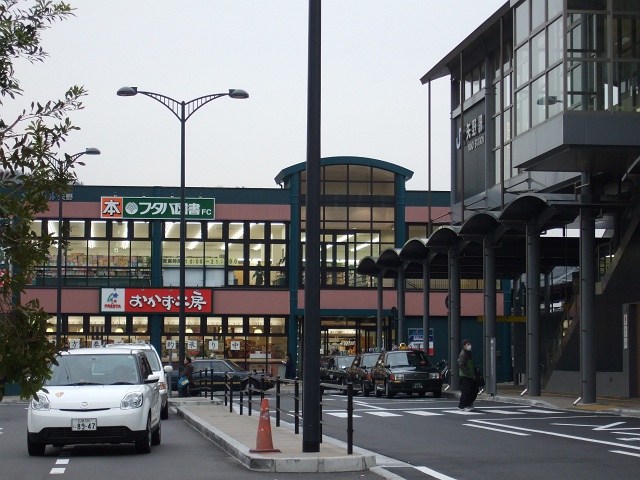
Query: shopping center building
[[244, 265]]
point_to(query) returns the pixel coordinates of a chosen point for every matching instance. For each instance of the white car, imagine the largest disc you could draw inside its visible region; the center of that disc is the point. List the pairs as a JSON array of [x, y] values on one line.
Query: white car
[[96, 395], [158, 369]]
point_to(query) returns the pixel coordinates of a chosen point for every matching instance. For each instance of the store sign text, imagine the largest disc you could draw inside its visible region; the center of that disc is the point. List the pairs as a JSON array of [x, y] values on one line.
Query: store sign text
[[156, 208], [473, 133], [155, 300]]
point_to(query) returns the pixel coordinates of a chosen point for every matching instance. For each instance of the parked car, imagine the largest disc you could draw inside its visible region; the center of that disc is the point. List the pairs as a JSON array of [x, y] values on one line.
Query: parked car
[[158, 369], [360, 371], [334, 369], [96, 395], [406, 371], [209, 373]]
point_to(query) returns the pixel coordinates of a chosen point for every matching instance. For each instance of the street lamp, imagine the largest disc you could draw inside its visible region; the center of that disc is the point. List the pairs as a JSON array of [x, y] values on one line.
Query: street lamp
[[183, 111], [62, 167]]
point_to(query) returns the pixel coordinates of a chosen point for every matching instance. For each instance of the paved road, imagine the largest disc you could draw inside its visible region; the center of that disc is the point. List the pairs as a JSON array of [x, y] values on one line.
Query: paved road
[[498, 440], [184, 453]]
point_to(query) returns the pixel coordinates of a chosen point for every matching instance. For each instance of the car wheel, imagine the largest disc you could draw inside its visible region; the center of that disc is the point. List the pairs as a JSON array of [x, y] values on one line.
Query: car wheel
[[437, 393], [388, 391], [156, 436], [378, 391], [35, 449], [144, 444], [164, 411], [365, 392]]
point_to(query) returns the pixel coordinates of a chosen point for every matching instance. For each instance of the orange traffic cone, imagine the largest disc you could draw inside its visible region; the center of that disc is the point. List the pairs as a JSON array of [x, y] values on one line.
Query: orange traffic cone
[[264, 442]]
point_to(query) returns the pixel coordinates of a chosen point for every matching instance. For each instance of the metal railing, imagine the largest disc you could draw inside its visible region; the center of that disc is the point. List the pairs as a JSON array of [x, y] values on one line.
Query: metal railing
[[348, 389], [297, 414]]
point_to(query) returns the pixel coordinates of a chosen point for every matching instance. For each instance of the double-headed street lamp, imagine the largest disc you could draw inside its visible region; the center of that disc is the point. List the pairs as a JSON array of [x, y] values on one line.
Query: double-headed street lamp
[[183, 111], [62, 167]]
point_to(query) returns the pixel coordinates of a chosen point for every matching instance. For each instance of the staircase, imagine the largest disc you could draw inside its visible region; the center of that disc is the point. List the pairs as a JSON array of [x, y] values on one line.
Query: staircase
[[568, 325]]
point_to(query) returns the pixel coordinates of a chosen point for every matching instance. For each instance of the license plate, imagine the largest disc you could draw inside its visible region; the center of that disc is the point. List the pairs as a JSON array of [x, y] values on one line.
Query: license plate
[[83, 424], [417, 385]]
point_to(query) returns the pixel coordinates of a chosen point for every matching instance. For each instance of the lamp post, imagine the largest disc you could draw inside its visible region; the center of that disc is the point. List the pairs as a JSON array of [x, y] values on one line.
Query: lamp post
[[62, 168], [183, 111]]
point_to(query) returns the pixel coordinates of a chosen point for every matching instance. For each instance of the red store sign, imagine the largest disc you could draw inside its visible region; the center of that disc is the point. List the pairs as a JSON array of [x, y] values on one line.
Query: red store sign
[[155, 300]]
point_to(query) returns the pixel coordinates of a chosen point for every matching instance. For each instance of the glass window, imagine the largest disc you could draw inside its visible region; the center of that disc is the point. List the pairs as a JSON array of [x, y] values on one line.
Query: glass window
[[587, 84], [507, 90], [141, 229], [192, 325], [522, 110], [214, 325], [99, 229], [236, 231], [537, 14], [214, 230], [626, 37], [194, 230], [522, 65], [475, 80], [171, 324], [76, 229], [626, 6], [334, 188], [507, 125], [278, 231], [172, 230], [235, 325], [538, 45], [625, 90], [468, 90], [522, 22], [119, 229], [555, 91], [554, 35], [554, 7], [587, 35], [256, 230], [36, 227], [538, 107]]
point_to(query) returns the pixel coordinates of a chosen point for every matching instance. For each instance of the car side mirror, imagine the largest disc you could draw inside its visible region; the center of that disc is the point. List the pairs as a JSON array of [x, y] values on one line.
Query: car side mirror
[[168, 369], [152, 379]]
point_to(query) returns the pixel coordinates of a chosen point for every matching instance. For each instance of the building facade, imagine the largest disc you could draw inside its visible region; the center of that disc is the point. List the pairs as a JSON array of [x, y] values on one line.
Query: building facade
[[244, 265], [544, 121]]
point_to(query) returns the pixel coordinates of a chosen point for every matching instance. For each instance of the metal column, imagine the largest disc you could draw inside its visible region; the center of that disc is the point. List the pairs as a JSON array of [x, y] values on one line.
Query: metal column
[[454, 316], [533, 310], [587, 297], [489, 266]]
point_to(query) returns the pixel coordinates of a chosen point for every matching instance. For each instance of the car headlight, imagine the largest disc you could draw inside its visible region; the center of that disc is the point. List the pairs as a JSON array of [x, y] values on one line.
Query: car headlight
[[397, 377], [435, 375], [131, 401], [42, 403]]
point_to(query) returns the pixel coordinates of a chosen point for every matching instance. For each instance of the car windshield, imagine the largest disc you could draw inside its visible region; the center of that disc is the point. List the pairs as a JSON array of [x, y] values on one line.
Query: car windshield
[[104, 369], [368, 360], [413, 358], [344, 361]]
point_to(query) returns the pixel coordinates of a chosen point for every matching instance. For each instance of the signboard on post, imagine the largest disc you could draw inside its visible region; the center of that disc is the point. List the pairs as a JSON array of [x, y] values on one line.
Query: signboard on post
[[152, 208]]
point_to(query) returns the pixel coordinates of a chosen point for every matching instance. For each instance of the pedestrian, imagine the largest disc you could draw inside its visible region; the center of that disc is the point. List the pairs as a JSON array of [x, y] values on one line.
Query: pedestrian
[[186, 372], [467, 369], [289, 371], [259, 274]]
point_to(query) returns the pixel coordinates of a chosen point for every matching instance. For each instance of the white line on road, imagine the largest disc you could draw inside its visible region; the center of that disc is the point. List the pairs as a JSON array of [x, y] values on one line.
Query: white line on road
[[56, 471], [434, 474], [622, 452], [496, 429], [422, 413]]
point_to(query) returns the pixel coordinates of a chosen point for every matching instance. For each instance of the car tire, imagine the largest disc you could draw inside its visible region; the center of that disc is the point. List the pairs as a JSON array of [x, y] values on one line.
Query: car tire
[[164, 411], [143, 445], [387, 391], [437, 393], [35, 449], [365, 392], [156, 436]]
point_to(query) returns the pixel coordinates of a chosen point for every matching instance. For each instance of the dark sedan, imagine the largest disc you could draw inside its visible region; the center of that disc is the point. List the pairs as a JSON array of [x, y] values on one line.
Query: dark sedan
[[360, 372], [209, 373], [334, 369], [406, 371]]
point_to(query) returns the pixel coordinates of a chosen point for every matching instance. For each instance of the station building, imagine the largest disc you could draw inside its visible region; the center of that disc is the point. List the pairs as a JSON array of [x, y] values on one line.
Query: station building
[[545, 96]]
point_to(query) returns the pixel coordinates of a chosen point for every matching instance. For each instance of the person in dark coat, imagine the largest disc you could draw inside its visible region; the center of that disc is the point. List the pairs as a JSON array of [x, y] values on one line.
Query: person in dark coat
[[290, 371], [467, 369], [187, 371]]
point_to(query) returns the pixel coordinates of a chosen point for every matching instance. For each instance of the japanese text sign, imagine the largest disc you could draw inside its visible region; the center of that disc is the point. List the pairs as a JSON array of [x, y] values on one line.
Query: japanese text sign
[[155, 300], [120, 208]]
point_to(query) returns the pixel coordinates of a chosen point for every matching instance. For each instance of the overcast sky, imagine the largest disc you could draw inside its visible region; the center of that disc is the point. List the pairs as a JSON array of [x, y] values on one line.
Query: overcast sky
[[374, 53]]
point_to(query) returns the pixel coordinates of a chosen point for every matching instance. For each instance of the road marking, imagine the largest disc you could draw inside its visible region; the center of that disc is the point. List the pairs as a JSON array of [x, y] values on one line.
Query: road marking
[[384, 414], [496, 429], [622, 452], [537, 410], [600, 428], [462, 412], [342, 414], [554, 434], [422, 413], [57, 471], [504, 412], [62, 461], [434, 474]]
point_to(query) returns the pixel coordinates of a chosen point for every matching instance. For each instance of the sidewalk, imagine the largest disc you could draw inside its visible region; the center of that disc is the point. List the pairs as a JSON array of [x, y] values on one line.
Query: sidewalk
[[237, 435]]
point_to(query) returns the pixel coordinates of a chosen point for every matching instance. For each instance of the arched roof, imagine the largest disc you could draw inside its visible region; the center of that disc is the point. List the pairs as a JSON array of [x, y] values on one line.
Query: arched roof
[[346, 160]]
